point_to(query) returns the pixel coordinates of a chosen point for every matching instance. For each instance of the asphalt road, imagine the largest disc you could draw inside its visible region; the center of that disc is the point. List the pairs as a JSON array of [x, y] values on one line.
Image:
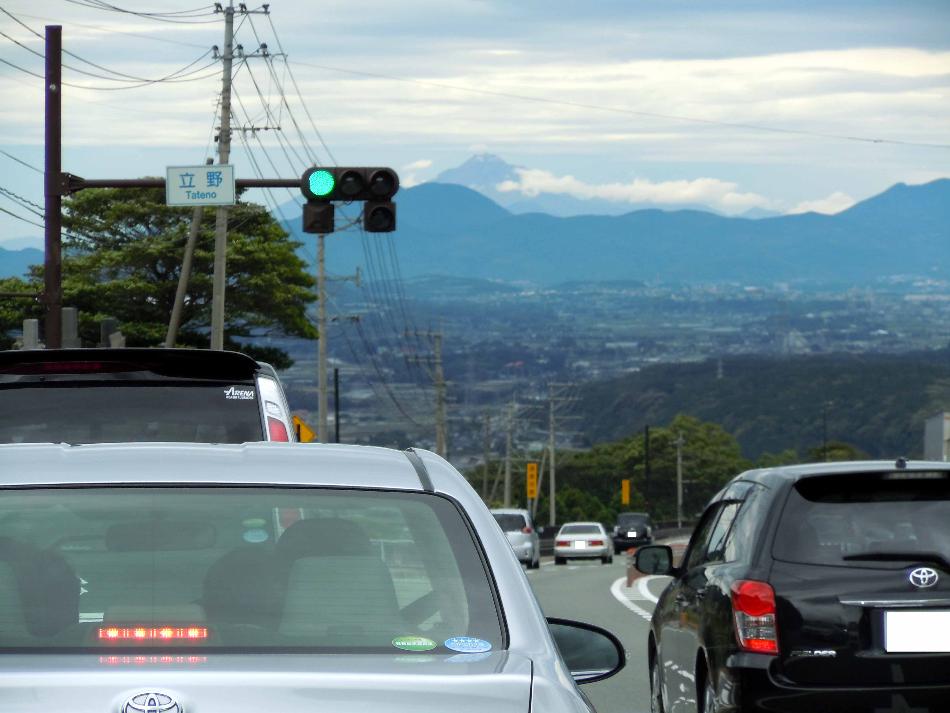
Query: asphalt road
[[595, 593]]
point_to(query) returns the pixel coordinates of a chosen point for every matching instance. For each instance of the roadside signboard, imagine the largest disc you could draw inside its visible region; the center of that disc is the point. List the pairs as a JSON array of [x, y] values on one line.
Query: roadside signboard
[[532, 480], [305, 434], [625, 491], [208, 184]]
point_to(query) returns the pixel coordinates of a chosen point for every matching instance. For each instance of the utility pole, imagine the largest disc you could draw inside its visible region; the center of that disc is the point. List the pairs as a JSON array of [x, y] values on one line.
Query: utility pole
[[646, 464], [508, 440], [437, 375], [336, 405], [52, 189], [441, 445], [486, 448], [221, 216], [679, 478], [175, 322], [553, 398]]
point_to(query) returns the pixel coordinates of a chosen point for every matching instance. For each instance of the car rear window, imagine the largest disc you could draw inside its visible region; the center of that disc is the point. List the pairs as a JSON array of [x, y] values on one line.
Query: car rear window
[[866, 520], [239, 569], [510, 522], [84, 412], [627, 520], [580, 530]]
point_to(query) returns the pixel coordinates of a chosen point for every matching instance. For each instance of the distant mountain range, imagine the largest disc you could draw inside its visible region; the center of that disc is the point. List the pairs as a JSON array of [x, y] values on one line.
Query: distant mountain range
[[485, 172], [448, 229]]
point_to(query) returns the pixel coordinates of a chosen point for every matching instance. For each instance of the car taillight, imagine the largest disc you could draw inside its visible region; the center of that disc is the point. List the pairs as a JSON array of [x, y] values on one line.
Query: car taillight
[[526, 530], [753, 606], [562, 543], [596, 543], [277, 430], [152, 633]]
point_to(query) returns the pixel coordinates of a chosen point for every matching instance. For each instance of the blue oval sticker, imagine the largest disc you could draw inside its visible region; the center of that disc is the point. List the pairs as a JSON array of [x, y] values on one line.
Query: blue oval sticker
[[467, 645]]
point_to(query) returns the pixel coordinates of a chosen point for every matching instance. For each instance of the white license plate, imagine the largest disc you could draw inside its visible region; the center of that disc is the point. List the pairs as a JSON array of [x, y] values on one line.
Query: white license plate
[[632, 533], [580, 544], [917, 631]]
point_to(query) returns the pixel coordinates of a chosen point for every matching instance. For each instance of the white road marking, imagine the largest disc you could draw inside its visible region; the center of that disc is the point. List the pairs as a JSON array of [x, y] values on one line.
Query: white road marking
[[617, 590], [645, 590]]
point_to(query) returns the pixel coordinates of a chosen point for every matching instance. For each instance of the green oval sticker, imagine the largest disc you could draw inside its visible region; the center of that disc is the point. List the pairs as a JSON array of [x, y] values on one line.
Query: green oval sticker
[[414, 643]]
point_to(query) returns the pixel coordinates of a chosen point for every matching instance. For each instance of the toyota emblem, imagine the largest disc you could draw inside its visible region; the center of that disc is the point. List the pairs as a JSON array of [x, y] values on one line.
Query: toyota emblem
[[152, 702], [923, 577]]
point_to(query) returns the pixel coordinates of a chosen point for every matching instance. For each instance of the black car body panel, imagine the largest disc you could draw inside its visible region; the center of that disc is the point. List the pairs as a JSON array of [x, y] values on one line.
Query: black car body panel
[[838, 544], [632, 529]]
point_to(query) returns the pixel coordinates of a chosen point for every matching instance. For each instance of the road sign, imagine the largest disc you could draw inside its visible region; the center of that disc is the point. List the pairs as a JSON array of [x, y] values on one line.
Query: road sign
[[209, 184], [532, 480], [625, 491], [305, 434]]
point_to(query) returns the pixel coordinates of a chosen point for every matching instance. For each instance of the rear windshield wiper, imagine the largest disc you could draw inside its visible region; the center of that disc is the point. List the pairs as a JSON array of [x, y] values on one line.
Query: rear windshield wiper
[[929, 557]]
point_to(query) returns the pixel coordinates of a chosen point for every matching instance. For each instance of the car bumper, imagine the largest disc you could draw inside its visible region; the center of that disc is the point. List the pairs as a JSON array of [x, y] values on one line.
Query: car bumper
[[626, 542], [747, 681], [524, 553], [575, 553]]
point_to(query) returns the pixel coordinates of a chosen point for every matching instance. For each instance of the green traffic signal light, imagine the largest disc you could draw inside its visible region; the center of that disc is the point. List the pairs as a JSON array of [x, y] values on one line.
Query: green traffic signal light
[[321, 183]]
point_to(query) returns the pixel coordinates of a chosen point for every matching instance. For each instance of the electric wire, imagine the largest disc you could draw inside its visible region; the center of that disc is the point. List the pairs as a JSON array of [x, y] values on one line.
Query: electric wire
[[173, 18], [631, 112], [21, 162]]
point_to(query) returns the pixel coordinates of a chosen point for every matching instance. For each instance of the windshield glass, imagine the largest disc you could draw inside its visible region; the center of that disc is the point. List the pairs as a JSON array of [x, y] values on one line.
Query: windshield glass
[[510, 522], [580, 530], [632, 520], [238, 569], [836, 520], [118, 413]]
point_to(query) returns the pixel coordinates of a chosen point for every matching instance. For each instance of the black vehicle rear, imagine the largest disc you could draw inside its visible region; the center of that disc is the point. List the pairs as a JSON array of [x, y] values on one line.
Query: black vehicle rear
[[632, 530], [123, 395], [821, 588]]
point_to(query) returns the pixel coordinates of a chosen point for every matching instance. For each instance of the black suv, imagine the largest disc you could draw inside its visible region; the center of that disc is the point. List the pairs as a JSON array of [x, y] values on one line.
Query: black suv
[[632, 530], [820, 588], [122, 395]]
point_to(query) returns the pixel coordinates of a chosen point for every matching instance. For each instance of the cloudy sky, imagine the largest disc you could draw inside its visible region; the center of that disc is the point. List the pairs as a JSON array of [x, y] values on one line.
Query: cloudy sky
[[785, 105]]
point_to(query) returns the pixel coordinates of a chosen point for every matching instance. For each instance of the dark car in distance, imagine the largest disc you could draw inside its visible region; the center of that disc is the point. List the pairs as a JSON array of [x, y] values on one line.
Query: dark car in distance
[[140, 394], [821, 588], [633, 529]]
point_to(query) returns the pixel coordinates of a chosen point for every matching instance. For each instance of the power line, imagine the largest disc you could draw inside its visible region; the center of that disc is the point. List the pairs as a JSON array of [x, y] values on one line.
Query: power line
[[631, 112], [178, 18], [22, 163], [111, 30]]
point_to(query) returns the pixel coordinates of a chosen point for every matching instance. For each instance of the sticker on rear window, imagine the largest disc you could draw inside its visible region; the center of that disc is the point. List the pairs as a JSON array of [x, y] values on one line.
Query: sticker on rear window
[[239, 393], [414, 643], [255, 536], [467, 645]]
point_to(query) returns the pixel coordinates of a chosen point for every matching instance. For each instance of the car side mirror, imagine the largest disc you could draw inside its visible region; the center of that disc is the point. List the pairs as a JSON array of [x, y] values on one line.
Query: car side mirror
[[591, 653], [654, 559]]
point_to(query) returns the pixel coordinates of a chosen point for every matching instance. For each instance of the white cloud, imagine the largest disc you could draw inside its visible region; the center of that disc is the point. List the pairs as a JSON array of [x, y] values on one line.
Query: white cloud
[[835, 203], [418, 165], [723, 195]]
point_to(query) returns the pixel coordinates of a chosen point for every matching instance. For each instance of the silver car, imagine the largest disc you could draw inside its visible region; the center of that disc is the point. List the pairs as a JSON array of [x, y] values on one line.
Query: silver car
[[199, 578], [583, 540], [521, 534]]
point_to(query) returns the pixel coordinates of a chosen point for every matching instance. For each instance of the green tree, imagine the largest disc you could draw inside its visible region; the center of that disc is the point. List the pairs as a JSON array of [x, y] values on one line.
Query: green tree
[[835, 451], [123, 250], [13, 310]]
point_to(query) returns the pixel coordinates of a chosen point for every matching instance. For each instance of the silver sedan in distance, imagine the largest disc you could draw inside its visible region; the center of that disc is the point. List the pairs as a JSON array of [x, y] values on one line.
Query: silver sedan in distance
[[583, 540], [199, 578]]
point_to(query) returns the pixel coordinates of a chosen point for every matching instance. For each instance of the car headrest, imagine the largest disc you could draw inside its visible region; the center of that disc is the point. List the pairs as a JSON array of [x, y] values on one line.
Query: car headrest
[[323, 537]]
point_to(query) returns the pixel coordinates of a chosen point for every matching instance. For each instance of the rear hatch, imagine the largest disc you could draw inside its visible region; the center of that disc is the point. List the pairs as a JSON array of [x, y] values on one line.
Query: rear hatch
[[862, 580], [122, 395], [515, 527], [407, 683]]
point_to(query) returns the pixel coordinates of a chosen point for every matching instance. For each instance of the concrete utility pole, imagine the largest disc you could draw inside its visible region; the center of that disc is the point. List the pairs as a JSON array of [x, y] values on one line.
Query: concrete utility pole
[[486, 454], [221, 216], [175, 322], [552, 484], [679, 478], [53, 190], [441, 437], [438, 381], [508, 440]]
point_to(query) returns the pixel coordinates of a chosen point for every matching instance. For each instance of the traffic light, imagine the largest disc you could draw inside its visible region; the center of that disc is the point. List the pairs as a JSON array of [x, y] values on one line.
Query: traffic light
[[373, 185], [318, 217]]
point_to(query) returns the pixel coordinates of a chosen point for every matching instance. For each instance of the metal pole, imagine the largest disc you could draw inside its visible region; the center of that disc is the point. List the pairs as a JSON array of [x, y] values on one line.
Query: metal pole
[[221, 216], [552, 490], [322, 400], [172, 334], [679, 479], [511, 425], [441, 440], [336, 405], [646, 464], [53, 209]]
